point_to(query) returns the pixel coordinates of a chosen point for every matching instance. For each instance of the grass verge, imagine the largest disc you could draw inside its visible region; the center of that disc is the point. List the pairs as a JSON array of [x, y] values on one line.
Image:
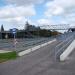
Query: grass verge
[[7, 56]]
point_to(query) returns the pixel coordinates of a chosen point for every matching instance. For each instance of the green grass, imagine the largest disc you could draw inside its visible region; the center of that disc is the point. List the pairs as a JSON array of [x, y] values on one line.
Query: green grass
[[7, 56]]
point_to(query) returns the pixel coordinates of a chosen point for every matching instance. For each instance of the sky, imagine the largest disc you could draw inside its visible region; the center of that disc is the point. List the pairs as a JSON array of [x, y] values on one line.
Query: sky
[[15, 13]]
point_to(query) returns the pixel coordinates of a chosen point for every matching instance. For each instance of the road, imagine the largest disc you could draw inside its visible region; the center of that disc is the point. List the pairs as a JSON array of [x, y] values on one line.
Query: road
[[39, 62]]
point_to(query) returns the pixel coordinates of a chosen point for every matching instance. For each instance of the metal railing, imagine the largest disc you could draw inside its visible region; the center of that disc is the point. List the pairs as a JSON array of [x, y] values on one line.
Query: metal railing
[[22, 44], [60, 48]]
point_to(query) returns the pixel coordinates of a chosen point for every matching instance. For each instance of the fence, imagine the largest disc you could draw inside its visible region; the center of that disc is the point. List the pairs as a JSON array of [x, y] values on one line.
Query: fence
[[22, 44], [59, 49]]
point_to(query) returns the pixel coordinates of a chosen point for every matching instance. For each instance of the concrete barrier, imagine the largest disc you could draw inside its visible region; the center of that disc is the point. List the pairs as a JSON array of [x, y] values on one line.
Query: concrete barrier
[[35, 48], [3, 51], [66, 53]]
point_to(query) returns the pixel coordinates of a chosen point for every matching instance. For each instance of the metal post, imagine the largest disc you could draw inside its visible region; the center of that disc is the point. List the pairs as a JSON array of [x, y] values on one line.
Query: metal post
[[55, 53], [14, 41], [14, 36]]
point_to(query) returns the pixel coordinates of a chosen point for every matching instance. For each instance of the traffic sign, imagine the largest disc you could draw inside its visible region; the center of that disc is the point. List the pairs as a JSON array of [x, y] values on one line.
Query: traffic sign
[[14, 30]]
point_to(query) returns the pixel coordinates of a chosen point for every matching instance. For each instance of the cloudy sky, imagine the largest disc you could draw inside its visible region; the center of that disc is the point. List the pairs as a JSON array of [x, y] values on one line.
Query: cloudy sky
[[14, 13]]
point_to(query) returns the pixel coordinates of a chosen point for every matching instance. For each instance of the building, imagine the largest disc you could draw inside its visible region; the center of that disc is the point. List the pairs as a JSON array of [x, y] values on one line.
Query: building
[[25, 33], [31, 28]]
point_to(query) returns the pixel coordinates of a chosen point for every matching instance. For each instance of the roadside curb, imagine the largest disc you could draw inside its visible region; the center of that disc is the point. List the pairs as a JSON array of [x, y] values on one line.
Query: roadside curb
[[35, 48], [3, 51]]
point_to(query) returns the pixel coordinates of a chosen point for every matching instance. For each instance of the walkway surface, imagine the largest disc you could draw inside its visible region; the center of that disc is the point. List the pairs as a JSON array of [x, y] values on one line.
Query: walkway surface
[[39, 62]]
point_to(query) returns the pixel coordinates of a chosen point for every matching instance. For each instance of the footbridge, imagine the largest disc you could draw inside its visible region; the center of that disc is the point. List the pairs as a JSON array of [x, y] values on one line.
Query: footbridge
[[56, 27]]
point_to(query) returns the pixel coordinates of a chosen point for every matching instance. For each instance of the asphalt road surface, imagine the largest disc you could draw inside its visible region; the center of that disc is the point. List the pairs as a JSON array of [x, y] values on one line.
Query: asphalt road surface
[[39, 62]]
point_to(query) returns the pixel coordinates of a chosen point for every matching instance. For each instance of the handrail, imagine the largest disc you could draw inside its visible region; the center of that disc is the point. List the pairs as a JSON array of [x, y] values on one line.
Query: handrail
[[63, 45], [61, 50]]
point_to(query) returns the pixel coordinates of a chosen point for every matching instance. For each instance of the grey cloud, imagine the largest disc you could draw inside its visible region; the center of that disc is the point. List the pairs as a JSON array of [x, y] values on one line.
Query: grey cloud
[[23, 2]]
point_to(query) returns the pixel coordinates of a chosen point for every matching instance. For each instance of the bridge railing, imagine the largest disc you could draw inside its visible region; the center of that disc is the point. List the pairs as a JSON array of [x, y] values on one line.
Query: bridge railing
[[59, 49]]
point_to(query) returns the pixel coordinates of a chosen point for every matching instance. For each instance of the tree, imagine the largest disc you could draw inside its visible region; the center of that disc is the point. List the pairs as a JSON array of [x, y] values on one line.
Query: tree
[[2, 28]]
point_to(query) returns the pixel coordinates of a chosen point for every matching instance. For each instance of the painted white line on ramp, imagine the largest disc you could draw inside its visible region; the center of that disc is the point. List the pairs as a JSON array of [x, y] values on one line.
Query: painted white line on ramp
[[35, 48]]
